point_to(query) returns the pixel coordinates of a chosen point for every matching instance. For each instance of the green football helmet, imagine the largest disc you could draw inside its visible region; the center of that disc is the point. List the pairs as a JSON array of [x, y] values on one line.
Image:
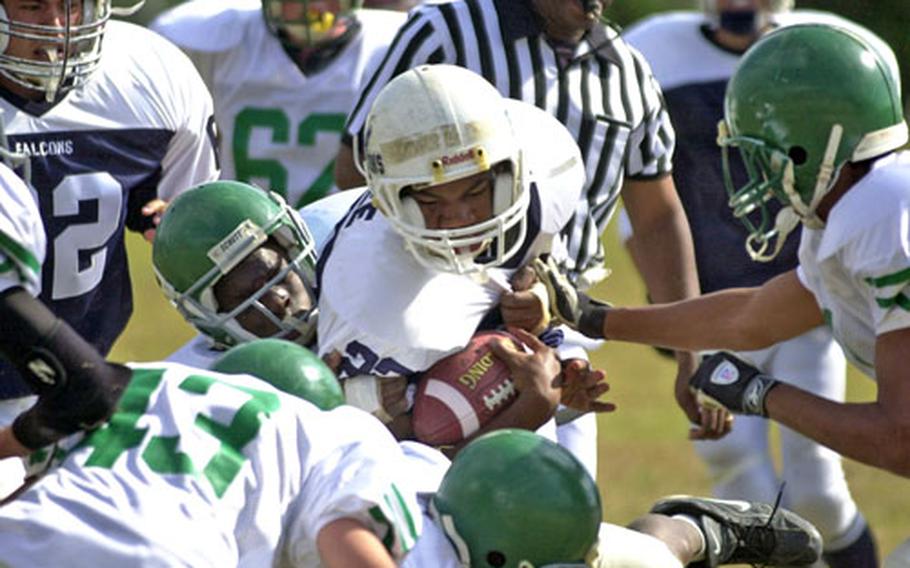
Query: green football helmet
[[208, 230], [301, 23], [287, 366], [805, 100], [517, 500]]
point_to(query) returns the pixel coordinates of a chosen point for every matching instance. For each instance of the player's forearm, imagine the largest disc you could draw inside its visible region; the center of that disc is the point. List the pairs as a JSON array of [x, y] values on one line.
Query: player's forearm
[[76, 387], [712, 321], [864, 432], [345, 543], [668, 257]]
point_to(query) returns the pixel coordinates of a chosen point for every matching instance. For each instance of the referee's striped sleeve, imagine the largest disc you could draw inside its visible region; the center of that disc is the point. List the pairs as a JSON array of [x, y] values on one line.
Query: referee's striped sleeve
[[653, 141]]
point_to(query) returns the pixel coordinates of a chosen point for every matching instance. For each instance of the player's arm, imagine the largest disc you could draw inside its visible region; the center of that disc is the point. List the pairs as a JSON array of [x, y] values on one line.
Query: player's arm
[[76, 387], [875, 433], [346, 543], [739, 319]]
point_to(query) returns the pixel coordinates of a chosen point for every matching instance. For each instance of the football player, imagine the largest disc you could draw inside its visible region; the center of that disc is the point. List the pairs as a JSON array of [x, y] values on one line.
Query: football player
[[115, 121], [238, 263], [512, 498], [834, 165], [465, 187], [201, 468], [692, 55], [284, 74]]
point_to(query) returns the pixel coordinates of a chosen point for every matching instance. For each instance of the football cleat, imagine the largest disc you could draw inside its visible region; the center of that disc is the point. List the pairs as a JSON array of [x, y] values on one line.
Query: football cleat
[[744, 532]]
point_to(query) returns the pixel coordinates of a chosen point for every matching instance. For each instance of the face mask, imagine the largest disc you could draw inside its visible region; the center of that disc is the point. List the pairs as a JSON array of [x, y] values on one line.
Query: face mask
[[739, 22]]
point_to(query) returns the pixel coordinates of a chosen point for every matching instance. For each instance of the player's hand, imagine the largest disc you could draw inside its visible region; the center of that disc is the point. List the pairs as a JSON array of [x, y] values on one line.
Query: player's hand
[[526, 306], [706, 423], [535, 374], [582, 386], [725, 381], [568, 305], [154, 209]]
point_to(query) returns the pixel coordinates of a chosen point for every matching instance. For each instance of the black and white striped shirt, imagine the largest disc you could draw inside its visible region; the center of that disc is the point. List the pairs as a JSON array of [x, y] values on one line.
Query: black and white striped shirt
[[605, 95]]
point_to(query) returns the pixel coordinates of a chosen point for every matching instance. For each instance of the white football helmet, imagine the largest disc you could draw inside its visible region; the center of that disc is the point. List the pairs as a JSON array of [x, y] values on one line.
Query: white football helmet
[[432, 125], [72, 52]]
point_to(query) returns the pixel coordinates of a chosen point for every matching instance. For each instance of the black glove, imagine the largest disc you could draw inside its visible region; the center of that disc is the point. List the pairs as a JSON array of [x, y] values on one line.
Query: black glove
[[726, 381]]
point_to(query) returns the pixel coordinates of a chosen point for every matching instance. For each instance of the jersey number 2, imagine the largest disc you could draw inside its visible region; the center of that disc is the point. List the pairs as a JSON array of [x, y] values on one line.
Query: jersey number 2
[[69, 279]]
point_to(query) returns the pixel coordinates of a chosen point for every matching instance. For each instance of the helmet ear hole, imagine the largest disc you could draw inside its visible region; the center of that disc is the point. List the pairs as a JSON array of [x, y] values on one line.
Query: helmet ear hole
[[496, 558], [798, 154]]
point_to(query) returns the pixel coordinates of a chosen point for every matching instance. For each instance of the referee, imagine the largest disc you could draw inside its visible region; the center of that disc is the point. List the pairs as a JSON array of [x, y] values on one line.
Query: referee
[[558, 55]]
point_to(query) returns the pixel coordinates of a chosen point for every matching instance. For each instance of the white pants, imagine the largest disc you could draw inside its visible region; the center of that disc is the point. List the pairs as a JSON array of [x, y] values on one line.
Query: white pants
[[741, 465], [899, 557]]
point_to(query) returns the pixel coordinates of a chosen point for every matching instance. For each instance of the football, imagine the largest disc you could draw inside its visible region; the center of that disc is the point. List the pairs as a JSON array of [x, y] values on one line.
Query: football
[[462, 392]]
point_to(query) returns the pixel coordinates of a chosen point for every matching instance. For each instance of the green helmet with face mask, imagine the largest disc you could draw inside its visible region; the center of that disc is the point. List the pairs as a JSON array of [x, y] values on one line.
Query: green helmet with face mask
[[207, 231], [307, 23], [287, 366], [513, 499], [805, 100]]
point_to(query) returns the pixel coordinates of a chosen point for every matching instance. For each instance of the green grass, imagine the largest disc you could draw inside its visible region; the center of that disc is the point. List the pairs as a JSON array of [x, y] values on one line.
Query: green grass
[[644, 453]]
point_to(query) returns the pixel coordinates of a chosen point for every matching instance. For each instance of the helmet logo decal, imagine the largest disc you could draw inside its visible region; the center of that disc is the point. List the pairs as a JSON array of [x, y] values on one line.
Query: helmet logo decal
[[237, 245], [443, 136]]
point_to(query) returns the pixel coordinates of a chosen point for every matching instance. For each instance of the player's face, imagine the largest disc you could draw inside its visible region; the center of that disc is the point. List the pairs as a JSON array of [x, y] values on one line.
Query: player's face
[[286, 298], [41, 12], [458, 203], [37, 12]]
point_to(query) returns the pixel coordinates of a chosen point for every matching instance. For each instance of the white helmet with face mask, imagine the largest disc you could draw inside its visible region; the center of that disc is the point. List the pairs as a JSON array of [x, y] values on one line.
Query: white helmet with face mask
[[433, 125]]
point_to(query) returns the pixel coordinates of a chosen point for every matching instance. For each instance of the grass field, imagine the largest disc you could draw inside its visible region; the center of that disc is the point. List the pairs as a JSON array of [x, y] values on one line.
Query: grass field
[[643, 448]]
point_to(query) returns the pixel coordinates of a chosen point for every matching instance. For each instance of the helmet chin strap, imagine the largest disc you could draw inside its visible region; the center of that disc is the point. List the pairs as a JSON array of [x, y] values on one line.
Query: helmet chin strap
[[789, 217], [823, 182]]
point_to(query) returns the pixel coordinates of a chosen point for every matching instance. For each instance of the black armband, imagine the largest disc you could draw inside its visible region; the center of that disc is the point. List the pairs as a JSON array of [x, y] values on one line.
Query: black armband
[[76, 387], [593, 315]]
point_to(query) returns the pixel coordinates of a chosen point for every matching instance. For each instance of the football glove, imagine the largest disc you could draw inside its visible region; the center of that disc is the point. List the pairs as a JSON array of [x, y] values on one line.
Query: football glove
[[726, 381], [568, 305]]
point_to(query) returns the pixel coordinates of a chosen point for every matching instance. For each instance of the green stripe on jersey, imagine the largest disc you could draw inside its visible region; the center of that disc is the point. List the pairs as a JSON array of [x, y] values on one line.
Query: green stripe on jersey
[[899, 300], [890, 279], [15, 250]]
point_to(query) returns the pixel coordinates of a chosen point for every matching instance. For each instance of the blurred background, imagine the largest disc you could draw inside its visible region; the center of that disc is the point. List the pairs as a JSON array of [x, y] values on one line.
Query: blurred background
[[644, 453]]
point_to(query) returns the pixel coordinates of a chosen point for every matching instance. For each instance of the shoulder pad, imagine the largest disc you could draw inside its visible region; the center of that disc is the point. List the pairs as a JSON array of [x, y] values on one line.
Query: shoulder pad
[[208, 25]]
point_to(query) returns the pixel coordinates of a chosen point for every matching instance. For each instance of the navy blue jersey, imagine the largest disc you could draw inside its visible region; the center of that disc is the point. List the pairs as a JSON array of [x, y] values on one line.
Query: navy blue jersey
[[139, 129], [693, 73]]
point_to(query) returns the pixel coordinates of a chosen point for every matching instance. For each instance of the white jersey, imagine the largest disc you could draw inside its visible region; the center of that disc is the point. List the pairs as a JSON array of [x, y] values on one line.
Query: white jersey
[[280, 129], [21, 235], [858, 266], [387, 314], [203, 469], [320, 217], [141, 127]]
